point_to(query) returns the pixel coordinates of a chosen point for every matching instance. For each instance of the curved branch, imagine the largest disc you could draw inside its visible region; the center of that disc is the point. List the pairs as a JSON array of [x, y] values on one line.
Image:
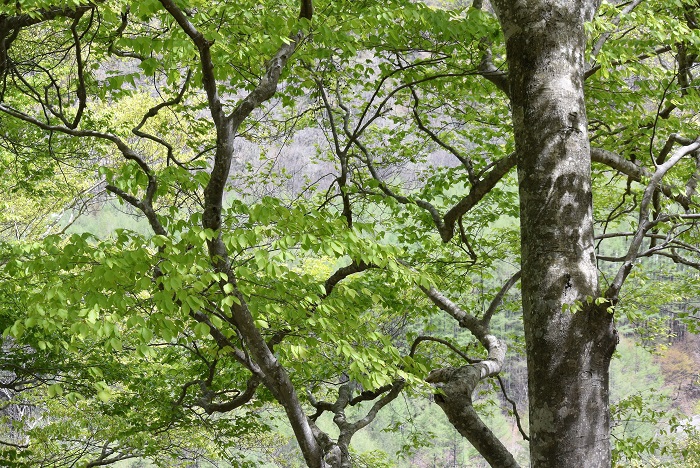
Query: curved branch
[[236, 402], [514, 406], [636, 173], [419, 339], [342, 273], [465, 320], [153, 111], [456, 387], [146, 203], [644, 223]]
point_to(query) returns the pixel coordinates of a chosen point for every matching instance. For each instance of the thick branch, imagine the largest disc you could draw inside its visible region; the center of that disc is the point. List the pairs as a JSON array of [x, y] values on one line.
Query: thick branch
[[476, 194], [205, 59], [80, 91], [495, 75], [421, 338], [498, 299], [236, 402], [342, 273], [455, 398], [464, 319]]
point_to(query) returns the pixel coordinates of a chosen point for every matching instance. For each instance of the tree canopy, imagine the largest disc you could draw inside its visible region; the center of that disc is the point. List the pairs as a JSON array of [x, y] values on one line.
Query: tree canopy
[[331, 204]]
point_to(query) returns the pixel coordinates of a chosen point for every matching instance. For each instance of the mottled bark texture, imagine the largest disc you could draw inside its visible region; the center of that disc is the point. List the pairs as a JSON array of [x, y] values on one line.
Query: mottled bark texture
[[457, 385], [568, 354]]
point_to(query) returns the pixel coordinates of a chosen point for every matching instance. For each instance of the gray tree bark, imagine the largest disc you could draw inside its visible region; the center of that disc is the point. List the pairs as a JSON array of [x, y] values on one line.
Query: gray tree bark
[[568, 353]]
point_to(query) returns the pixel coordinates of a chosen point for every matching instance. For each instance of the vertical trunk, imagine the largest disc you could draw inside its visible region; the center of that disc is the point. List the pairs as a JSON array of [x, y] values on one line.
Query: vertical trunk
[[568, 354]]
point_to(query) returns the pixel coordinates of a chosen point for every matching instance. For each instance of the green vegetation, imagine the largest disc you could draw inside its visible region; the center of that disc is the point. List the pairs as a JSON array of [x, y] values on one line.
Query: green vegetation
[[348, 233]]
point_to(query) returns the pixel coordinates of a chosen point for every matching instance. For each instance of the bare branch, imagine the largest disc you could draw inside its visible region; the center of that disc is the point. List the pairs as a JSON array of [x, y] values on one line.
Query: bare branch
[[514, 406], [644, 225], [419, 339], [635, 172], [498, 299]]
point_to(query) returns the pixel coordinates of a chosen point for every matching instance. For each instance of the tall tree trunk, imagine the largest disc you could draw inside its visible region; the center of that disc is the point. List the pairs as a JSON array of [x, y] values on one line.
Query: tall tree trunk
[[568, 353]]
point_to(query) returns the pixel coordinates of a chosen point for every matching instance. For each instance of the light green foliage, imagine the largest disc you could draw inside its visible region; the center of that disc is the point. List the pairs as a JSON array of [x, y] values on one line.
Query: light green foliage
[[127, 335]]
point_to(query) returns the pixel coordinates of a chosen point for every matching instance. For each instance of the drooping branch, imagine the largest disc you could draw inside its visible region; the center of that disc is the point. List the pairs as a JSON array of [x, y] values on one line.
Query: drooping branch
[[146, 203], [239, 400], [421, 338], [427, 206], [329, 285], [118, 34], [446, 224], [153, 111], [515, 408], [109, 456]]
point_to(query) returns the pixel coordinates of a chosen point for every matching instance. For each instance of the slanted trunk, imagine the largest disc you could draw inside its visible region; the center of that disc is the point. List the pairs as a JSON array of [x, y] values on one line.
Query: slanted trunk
[[568, 353]]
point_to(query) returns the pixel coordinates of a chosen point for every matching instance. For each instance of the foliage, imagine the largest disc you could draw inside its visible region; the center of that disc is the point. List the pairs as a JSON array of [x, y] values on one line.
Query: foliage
[[264, 249]]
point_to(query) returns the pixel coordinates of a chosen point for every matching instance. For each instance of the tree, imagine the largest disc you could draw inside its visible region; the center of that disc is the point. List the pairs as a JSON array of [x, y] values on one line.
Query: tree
[[236, 301]]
